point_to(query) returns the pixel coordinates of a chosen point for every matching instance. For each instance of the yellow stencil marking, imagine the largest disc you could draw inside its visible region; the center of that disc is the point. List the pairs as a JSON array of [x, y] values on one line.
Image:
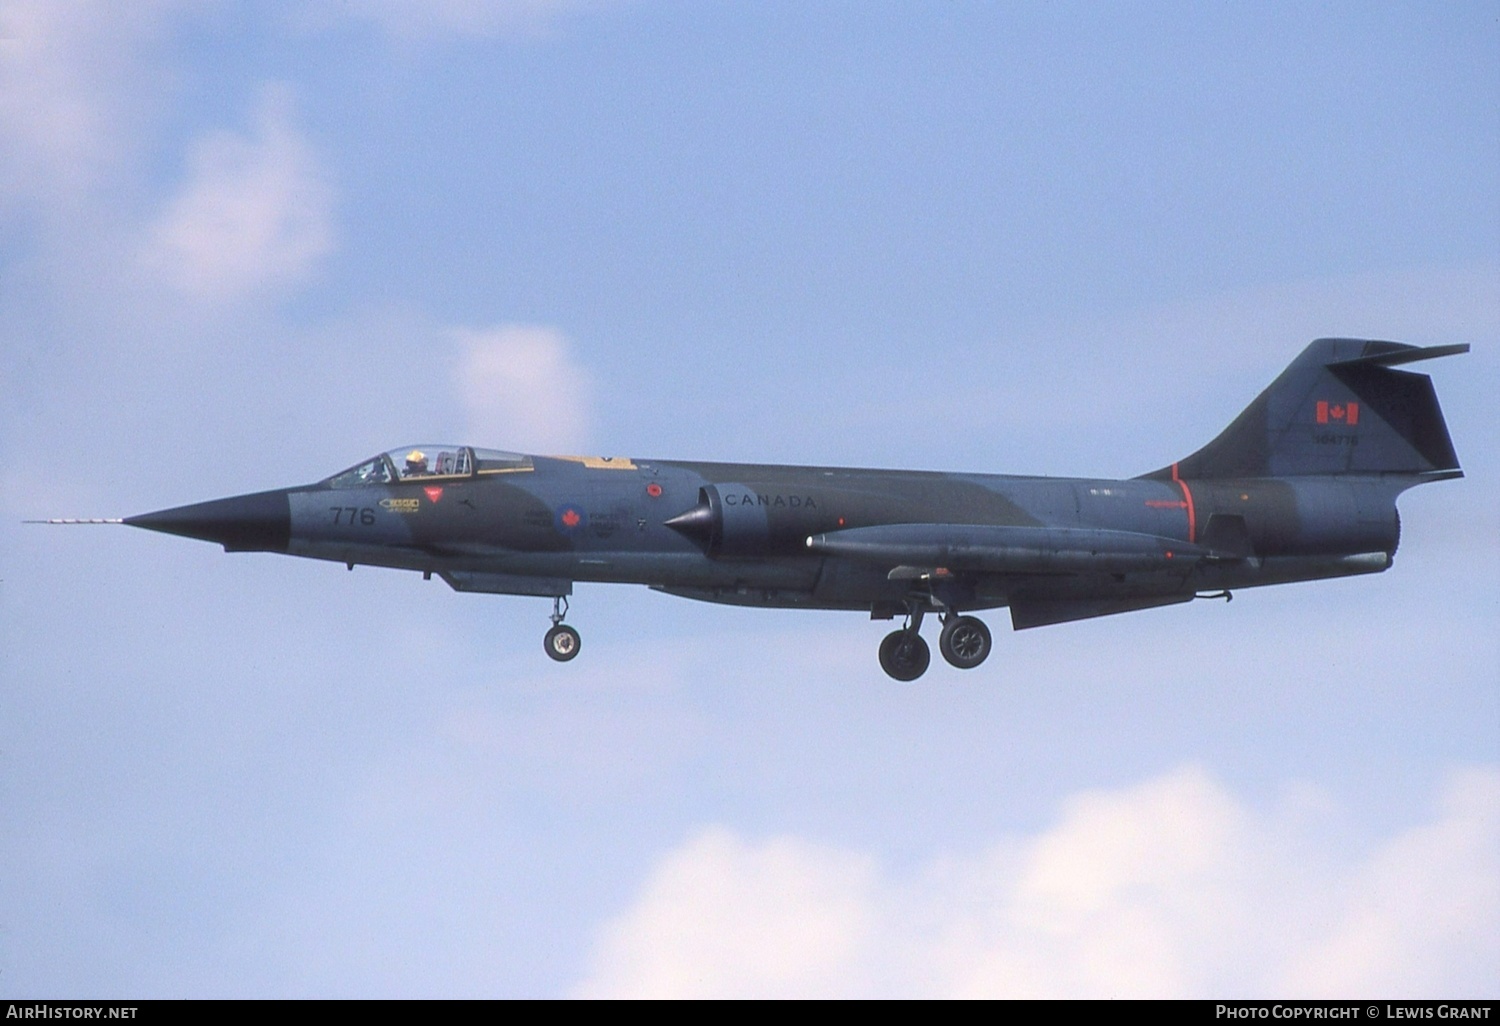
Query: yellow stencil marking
[[601, 462]]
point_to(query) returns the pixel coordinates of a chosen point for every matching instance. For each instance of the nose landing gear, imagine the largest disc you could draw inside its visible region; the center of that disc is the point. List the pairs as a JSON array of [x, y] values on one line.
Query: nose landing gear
[[561, 642]]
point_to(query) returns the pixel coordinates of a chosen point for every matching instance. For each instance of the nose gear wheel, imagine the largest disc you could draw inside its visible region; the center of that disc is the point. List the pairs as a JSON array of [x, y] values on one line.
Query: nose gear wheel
[[561, 642]]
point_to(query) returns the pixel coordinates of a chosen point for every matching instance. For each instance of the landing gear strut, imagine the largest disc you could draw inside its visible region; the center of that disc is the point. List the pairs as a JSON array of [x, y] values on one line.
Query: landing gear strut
[[562, 641]]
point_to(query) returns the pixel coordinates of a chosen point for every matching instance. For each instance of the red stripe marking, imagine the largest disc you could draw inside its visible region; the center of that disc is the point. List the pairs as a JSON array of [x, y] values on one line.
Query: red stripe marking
[[1187, 497], [1192, 513]]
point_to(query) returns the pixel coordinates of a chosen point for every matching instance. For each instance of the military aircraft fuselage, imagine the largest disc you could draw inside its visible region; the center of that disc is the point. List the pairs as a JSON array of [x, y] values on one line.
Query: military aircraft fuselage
[[535, 529], [1302, 485]]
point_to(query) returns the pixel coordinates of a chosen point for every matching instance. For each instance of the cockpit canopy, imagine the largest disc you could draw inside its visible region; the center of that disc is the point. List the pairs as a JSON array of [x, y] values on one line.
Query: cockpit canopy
[[413, 462]]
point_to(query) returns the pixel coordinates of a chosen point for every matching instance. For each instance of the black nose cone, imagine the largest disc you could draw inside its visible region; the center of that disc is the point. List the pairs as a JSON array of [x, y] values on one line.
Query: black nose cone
[[261, 522]]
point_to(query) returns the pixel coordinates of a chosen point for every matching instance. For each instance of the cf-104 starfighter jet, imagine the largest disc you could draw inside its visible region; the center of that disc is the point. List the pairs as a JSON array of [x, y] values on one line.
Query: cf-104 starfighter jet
[[1301, 486]]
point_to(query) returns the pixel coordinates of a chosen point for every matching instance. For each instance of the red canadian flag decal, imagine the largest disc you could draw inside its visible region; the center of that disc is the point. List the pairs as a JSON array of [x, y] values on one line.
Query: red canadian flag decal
[[1345, 413], [433, 494]]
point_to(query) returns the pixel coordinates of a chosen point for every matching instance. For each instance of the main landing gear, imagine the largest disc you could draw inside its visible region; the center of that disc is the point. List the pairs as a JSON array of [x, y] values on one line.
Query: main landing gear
[[562, 641], [904, 655], [964, 642]]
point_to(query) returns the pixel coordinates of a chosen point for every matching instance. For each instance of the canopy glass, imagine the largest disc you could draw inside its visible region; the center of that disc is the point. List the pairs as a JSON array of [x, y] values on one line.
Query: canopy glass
[[423, 462]]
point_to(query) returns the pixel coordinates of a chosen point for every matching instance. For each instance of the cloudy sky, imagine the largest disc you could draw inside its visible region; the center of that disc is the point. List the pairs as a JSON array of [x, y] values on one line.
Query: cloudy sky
[[247, 245]]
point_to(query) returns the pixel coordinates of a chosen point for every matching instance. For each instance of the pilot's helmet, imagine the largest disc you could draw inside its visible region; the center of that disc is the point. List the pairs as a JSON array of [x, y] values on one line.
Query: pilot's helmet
[[416, 460]]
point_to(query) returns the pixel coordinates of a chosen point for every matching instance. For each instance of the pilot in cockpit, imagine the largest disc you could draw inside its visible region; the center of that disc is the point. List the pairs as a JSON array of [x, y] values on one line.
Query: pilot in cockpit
[[416, 464]]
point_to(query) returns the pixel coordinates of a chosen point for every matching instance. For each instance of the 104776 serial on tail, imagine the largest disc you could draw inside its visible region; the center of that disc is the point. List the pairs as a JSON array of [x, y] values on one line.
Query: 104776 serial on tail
[[1302, 485]]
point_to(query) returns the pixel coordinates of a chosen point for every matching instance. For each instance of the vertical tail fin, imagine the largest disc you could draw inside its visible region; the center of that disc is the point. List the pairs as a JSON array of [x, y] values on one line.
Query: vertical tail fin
[[1338, 408]]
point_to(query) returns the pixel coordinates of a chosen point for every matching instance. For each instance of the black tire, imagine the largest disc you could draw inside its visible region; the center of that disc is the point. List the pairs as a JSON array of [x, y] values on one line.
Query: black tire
[[562, 643], [965, 642], [904, 655]]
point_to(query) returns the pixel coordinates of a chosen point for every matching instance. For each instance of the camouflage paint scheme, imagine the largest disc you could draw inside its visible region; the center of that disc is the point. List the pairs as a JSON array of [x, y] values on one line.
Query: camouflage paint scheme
[[1302, 485]]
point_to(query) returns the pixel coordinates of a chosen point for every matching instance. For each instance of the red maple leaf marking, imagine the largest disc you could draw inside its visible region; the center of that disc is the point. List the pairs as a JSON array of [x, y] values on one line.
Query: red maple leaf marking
[[570, 518], [1348, 413]]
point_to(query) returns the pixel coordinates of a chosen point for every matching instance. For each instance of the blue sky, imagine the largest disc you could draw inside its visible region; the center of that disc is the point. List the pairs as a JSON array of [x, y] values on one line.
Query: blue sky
[[244, 246]]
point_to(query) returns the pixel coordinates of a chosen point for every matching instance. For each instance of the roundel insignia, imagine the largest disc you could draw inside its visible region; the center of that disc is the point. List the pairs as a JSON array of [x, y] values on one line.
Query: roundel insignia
[[570, 518], [654, 490]]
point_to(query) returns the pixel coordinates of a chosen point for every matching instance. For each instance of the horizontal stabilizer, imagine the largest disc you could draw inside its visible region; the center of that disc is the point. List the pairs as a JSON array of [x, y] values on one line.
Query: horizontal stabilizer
[[1402, 354], [982, 548]]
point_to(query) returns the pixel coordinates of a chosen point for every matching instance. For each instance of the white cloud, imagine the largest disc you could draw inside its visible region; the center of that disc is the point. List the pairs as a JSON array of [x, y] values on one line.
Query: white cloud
[[253, 215], [522, 389], [1427, 905], [1169, 888], [725, 918], [465, 18], [70, 87]]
